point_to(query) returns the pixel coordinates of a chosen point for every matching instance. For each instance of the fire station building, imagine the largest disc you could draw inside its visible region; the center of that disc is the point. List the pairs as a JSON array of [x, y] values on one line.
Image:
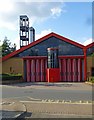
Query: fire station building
[[35, 61]]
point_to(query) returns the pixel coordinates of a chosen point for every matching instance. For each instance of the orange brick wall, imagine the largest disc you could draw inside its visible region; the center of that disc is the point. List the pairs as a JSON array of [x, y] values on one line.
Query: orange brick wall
[[90, 64], [13, 65]]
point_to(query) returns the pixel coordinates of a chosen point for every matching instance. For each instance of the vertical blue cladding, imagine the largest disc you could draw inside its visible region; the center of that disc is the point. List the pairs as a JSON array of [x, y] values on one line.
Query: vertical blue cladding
[[40, 49], [25, 71], [90, 50]]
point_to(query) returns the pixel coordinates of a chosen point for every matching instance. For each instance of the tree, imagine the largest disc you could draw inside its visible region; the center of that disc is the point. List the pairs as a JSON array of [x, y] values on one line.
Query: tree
[[7, 47]]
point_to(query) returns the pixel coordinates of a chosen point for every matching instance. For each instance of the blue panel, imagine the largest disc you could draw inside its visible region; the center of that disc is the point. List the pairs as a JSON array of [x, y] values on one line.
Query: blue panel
[[90, 50], [40, 49]]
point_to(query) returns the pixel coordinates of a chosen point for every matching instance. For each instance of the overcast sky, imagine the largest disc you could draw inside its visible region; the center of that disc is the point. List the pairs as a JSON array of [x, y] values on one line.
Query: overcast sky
[[69, 19]]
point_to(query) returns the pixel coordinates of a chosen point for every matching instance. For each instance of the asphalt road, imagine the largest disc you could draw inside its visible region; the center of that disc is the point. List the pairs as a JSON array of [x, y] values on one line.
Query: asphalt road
[[71, 91]]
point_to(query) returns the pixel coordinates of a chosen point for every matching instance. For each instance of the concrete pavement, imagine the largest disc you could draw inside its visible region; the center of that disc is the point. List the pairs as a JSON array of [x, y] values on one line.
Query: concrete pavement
[[59, 110], [42, 109]]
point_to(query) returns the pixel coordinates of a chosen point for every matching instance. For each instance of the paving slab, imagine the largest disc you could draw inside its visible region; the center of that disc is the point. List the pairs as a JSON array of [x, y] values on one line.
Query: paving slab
[[58, 110]]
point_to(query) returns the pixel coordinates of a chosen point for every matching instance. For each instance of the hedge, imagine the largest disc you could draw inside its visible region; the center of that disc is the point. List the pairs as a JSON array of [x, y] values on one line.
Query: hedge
[[10, 76]]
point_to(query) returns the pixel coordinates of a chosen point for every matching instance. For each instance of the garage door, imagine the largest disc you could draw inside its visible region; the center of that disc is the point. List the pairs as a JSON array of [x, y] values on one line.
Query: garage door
[[35, 69], [71, 70]]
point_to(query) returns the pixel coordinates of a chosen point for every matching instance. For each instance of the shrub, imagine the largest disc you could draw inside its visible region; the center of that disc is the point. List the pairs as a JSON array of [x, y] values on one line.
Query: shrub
[[10, 76], [91, 79]]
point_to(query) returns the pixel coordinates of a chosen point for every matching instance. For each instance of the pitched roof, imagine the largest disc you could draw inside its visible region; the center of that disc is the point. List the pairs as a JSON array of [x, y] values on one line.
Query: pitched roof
[[40, 40]]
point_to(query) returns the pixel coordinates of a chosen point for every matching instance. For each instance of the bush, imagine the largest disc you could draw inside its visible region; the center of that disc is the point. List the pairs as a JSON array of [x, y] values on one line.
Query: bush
[[91, 79], [10, 76]]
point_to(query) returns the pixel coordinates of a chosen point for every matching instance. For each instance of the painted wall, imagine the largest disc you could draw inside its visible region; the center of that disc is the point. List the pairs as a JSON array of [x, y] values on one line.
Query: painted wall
[[13, 65], [90, 63]]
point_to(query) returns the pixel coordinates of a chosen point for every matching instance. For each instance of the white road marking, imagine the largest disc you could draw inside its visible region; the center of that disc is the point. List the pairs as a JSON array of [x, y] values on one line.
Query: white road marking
[[54, 102]]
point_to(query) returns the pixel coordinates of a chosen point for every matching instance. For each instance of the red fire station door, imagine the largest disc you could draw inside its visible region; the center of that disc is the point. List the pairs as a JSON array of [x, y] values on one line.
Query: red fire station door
[[70, 70]]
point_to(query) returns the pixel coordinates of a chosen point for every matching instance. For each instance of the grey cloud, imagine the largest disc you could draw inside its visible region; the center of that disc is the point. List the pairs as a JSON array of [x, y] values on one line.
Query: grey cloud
[[38, 10]]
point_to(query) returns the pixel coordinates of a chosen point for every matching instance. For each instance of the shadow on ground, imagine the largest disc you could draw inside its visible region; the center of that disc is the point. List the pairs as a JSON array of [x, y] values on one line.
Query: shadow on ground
[[41, 84], [10, 115]]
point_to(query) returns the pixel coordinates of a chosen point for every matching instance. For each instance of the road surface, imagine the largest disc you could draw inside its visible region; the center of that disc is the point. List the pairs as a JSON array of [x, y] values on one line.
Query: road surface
[[57, 91]]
